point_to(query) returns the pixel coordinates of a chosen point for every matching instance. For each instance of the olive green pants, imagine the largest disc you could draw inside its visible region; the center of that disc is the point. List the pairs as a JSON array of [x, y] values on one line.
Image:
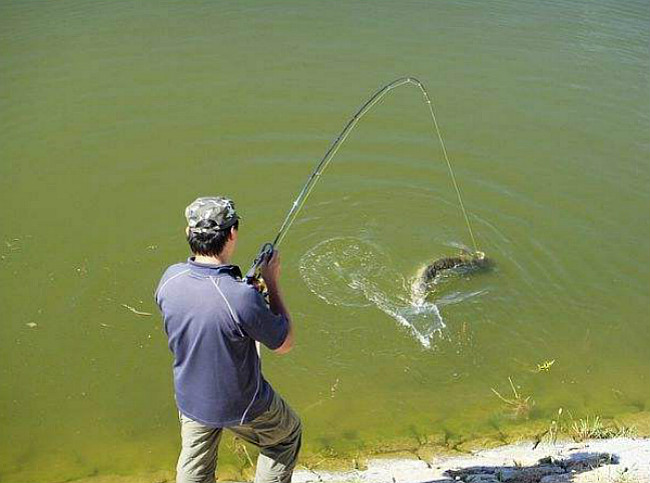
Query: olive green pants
[[277, 433]]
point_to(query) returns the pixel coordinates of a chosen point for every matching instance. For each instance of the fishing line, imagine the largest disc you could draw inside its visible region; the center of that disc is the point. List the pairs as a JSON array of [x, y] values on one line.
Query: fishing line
[[267, 248]]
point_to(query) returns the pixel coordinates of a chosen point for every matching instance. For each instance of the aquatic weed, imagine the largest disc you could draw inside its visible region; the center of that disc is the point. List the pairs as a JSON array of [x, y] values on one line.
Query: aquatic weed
[[518, 404], [552, 432], [545, 366], [584, 429], [239, 449]]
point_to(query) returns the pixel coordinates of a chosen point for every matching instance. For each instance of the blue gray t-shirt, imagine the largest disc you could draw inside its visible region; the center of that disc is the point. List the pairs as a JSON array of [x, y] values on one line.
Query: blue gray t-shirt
[[212, 319]]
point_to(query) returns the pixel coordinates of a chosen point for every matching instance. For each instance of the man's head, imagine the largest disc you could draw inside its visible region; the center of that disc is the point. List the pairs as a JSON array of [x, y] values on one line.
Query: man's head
[[212, 225]]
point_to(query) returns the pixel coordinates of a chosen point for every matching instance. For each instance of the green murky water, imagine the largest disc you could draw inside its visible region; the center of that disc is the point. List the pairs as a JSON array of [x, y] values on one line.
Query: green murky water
[[114, 115]]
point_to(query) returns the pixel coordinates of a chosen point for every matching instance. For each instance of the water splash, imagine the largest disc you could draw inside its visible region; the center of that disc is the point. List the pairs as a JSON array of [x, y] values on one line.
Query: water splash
[[352, 272]]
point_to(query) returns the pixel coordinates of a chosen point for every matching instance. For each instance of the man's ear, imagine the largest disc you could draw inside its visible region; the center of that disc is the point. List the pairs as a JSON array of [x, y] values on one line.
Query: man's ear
[[232, 234], [187, 231]]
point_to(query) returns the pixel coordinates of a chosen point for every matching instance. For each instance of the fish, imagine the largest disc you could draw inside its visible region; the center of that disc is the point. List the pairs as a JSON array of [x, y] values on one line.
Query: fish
[[465, 262]]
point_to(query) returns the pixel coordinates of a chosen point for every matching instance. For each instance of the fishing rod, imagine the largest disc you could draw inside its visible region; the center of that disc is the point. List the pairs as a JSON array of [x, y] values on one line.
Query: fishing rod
[[253, 275]]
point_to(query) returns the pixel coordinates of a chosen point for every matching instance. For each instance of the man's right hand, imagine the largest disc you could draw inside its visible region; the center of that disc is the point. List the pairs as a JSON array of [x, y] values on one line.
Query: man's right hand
[[270, 269]]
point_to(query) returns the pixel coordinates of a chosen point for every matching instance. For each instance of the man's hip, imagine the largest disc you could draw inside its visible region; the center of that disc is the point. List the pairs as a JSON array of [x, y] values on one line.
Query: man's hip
[[277, 432]]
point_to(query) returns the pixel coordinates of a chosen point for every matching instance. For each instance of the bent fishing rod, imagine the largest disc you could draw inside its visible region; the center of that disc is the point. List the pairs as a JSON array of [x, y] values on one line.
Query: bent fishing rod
[[253, 275]]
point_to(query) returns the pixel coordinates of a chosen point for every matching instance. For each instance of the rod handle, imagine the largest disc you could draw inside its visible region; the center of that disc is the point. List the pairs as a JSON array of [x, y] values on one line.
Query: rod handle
[[253, 275]]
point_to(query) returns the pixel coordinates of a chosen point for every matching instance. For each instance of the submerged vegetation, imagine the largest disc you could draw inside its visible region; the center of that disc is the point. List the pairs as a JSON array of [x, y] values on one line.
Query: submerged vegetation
[[564, 424], [518, 404]]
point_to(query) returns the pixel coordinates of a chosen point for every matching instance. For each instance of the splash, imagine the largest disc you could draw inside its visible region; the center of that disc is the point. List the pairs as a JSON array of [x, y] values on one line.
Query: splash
[[352, 272]]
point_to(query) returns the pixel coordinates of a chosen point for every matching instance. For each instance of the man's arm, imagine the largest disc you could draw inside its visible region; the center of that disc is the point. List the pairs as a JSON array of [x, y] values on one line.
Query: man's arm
[[271, 275]]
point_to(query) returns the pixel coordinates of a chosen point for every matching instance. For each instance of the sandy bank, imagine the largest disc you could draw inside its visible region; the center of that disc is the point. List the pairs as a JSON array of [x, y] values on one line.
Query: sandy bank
[[620, 460]]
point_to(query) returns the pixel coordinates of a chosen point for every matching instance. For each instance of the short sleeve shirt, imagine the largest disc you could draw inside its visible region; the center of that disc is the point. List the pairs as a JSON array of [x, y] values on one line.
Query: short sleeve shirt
[[212, 319]]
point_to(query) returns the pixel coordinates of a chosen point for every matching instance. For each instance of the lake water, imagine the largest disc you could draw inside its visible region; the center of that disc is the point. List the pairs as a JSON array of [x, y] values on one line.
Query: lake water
[[115, 115]]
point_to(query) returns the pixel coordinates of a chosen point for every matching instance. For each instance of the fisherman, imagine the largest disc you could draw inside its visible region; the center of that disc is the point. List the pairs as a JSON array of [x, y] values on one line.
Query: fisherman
[[213, 320]]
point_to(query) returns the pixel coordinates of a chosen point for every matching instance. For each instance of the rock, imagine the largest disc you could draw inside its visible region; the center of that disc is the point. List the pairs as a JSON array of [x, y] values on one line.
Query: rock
[[563, 478], [480, 478]]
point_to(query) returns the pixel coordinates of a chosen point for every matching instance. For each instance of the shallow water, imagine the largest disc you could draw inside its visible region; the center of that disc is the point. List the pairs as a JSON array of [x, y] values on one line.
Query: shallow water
[[114, 115]]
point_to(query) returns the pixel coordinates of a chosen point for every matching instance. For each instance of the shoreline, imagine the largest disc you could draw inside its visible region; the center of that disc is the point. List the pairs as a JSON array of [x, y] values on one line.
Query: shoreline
[[623, 457], [614, 460]]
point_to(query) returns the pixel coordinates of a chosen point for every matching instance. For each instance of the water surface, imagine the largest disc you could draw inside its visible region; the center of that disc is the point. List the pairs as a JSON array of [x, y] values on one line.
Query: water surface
[[115, 115]]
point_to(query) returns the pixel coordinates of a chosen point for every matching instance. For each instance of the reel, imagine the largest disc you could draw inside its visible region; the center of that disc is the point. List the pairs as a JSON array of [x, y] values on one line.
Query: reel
[[254, 275]]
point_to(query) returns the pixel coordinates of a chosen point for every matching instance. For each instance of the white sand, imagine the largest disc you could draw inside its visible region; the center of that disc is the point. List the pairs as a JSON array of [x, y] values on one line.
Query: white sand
[[631, 464]]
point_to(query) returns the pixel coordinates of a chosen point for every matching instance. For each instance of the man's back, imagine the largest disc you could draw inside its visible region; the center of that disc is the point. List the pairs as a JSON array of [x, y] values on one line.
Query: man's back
[[212, 320]]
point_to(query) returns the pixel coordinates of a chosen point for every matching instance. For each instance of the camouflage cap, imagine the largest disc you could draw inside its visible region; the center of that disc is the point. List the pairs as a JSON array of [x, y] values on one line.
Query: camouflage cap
[[217, 209]]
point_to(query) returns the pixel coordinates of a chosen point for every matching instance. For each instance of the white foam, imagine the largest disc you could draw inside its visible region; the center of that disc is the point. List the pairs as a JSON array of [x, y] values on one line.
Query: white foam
[[349, 271]]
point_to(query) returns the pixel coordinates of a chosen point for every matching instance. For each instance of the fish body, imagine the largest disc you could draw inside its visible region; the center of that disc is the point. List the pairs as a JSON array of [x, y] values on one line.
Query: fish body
[[467, 261], [464, 263]]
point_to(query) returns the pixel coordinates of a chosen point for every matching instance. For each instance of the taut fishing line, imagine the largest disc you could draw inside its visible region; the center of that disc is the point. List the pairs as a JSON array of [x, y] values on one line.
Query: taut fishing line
[[267, 248]]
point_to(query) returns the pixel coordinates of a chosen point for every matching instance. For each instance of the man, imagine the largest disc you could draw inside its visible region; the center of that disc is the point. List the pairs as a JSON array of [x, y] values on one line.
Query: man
[[213, 320]]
